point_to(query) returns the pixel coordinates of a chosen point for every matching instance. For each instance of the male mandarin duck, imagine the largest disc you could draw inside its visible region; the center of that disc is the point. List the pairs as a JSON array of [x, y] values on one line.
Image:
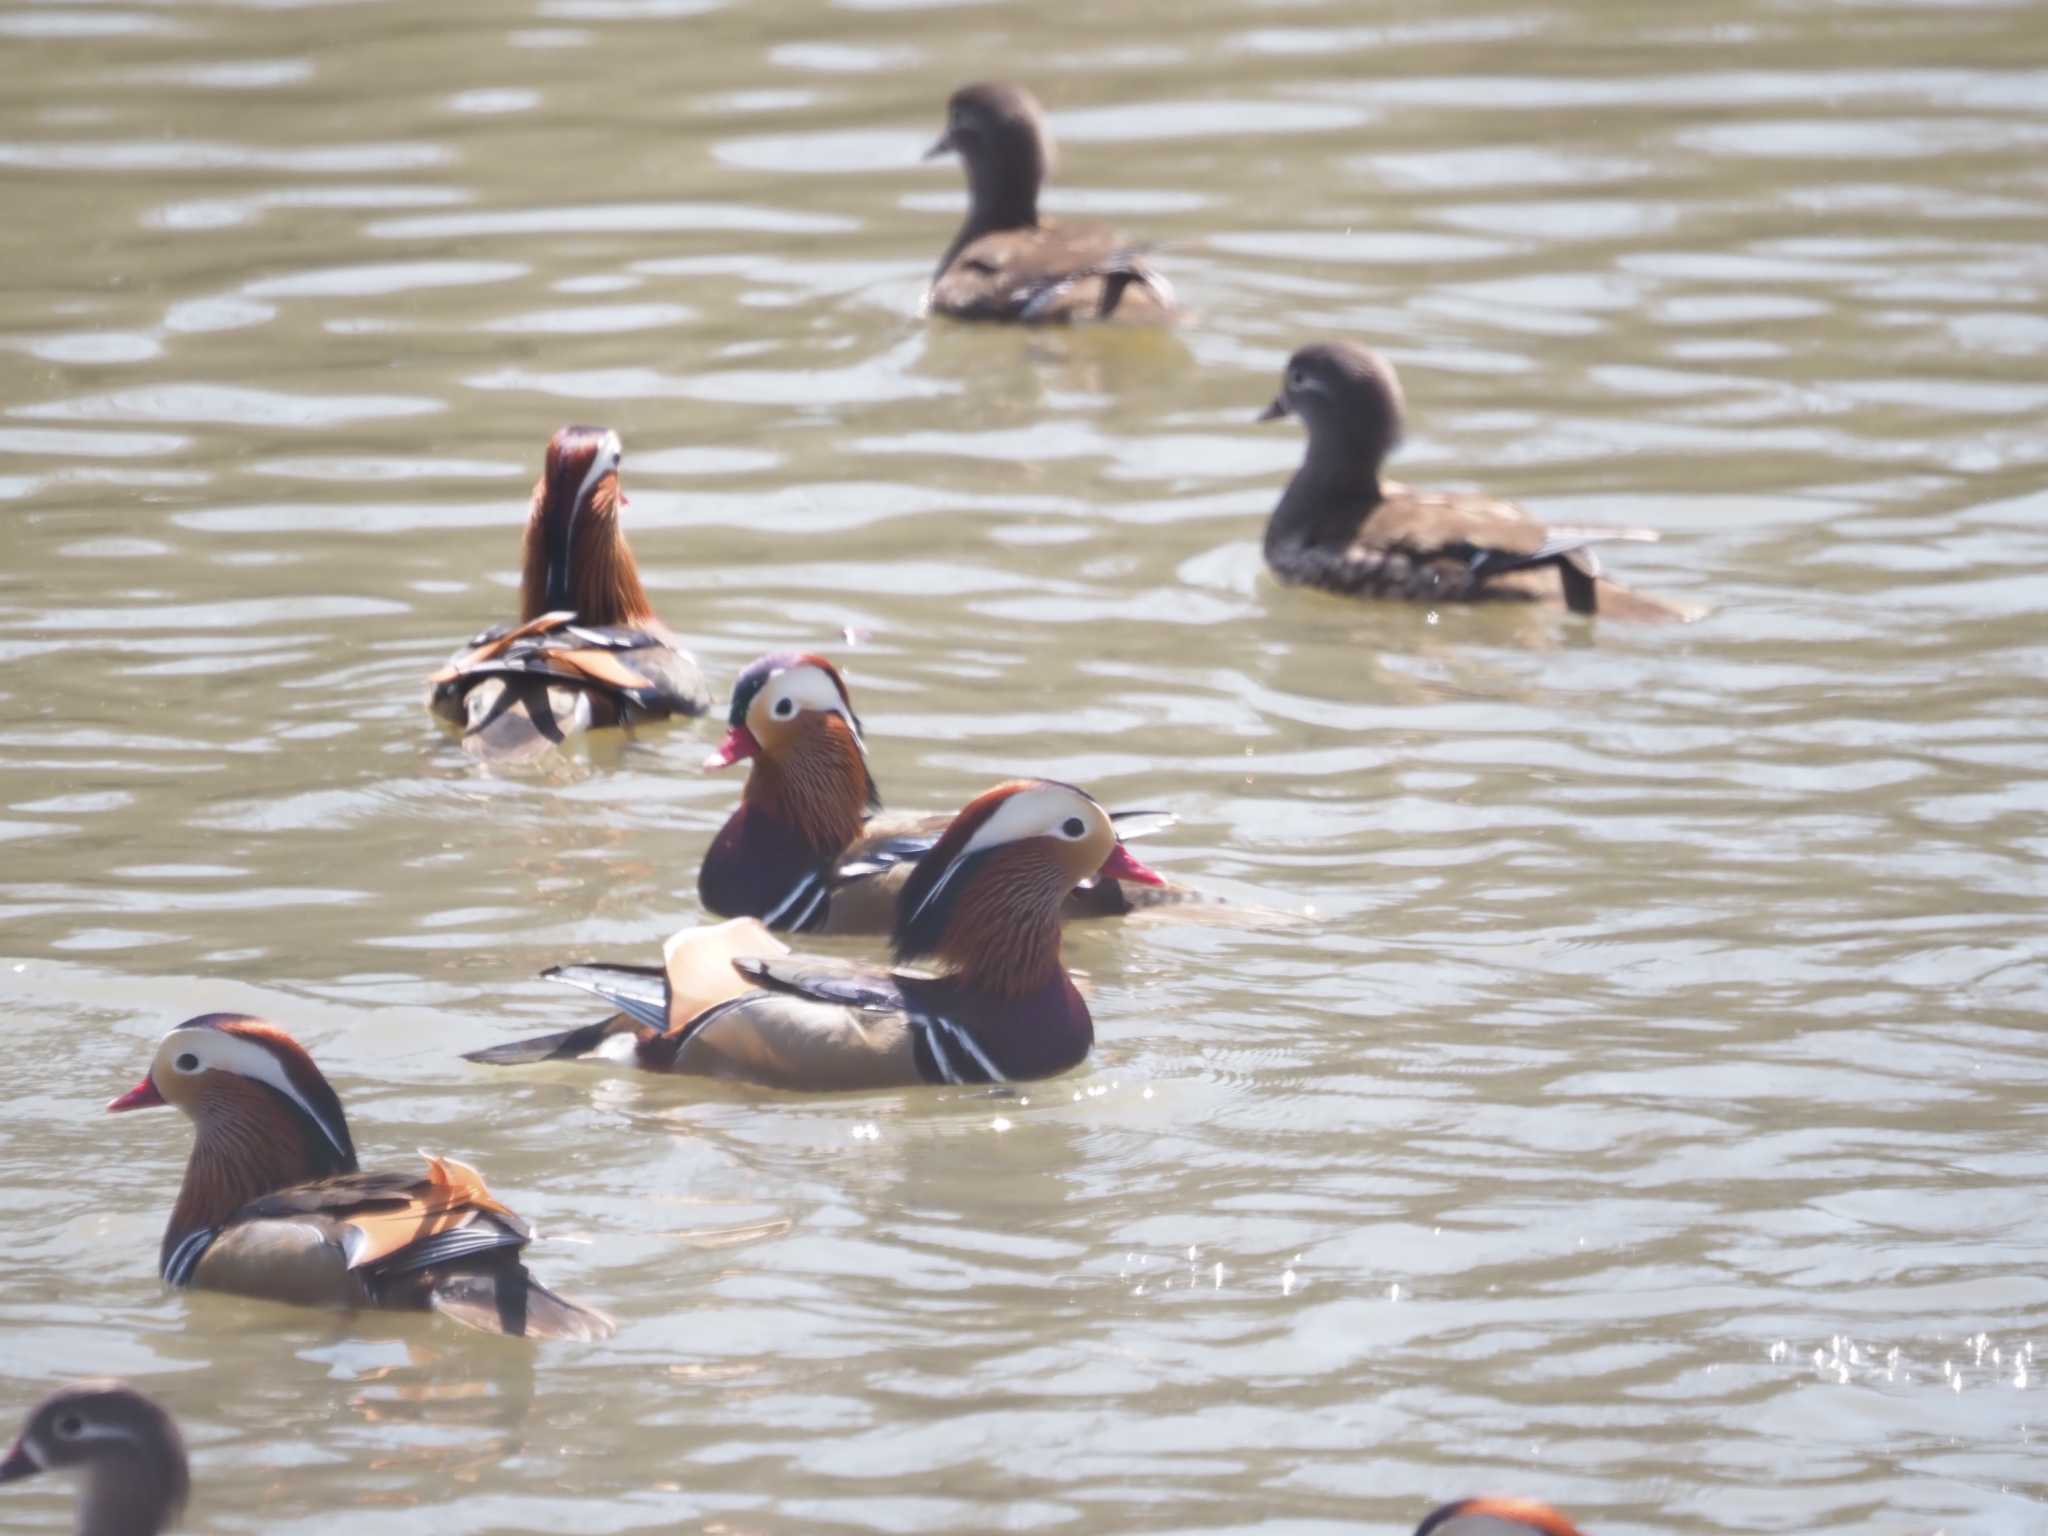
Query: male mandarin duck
[[807, 851], [983, 906], [130, 1458], [273, 1204], [1340, 527], [587, 651], [1007, 263], [1496, 1517]]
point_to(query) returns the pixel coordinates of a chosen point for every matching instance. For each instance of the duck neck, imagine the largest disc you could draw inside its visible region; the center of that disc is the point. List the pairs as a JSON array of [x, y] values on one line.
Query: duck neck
[[1323, 504], [248, 1145], [577, 558], [134, 1494], [999, 196], [1002, 938], [817, 786]]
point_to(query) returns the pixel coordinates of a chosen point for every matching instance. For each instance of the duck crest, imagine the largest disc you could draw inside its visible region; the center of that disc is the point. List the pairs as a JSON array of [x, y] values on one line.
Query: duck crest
[[576, 556]]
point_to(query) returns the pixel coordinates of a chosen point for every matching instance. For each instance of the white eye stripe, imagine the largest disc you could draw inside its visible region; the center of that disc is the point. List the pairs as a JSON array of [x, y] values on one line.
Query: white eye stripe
[[231, 1053], [807, 687], [605, 461], [1035, 812]]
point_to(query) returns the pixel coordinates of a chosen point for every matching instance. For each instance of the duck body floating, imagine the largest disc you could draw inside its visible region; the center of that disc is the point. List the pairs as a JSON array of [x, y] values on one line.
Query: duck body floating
[[588, 651], [130, 1459], [982, 906], [809, 850], [1008, 263], [274, 1205], [1341, 527]]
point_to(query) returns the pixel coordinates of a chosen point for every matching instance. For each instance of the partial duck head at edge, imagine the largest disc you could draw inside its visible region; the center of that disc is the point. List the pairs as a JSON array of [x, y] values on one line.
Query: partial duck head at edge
[[576, 556], [984, 903], [126, 1448], [793, 718], [1349, 399], [1496, 1517], [999, 133], [263, 1116]]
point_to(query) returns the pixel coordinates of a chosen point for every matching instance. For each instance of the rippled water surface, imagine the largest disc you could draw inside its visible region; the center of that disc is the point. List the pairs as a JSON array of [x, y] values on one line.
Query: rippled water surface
[[1643, 1110]]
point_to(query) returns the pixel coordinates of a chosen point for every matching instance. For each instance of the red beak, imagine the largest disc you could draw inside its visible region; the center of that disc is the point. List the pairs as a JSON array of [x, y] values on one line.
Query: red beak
[[142, 1096], [739, 742], [19, 1463], [1121, 866]]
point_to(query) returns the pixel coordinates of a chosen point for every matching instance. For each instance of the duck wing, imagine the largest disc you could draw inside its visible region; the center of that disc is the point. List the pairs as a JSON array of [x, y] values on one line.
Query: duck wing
[[518, 691], [1052, 273]]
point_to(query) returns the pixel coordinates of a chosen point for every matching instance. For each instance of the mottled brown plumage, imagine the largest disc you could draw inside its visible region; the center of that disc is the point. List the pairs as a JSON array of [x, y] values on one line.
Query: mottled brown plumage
[[1343, 528], [1007, 262], [588, 651], [273, 1204]]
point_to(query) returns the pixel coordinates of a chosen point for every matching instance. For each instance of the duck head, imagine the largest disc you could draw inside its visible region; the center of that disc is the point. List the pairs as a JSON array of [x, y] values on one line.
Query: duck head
[[1349, 399], [1496, 1517], [127, 1450], [263, 1116], [792, 716], [984, 903], [576, 554], [999, 134]]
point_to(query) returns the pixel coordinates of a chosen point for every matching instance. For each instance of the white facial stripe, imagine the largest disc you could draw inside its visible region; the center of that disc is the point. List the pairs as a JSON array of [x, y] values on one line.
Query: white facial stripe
[[1034, 812], [604, 462], [224, 1052], [810, 688], [104, 1433], [32, 1448]]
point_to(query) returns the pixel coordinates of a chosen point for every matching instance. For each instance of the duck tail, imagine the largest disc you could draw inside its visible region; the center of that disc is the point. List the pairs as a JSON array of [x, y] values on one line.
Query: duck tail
[[565, 1046], [511, 1302]]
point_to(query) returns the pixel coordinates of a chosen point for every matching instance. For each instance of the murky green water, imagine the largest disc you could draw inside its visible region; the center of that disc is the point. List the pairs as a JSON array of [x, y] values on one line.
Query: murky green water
[[1649, 1117]]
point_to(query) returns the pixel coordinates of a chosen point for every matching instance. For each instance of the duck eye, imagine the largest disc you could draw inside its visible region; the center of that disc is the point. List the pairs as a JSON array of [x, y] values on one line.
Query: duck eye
[[1072, 826], [71, 1426], [784, 708], [186, 1062], [1294, 379]]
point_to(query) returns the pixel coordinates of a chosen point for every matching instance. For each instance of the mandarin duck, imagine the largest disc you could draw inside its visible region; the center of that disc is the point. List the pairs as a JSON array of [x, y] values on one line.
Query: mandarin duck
[[809, 850], [129, 1456], [1007, 263], [1340, 527], [982, 907], [273, 1204], [1496, 1517], [587, 651]]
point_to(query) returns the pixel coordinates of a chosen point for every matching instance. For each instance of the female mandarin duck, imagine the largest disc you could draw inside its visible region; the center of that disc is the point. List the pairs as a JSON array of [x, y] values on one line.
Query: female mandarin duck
[[983, 905], [587, 651], [806, 852], [1007, 263], [1341, 527], [273, 1204], [1496, 1517], [130, 1458]]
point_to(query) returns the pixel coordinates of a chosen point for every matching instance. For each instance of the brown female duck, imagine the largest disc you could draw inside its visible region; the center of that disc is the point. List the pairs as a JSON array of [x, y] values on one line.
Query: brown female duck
[[1007, 263], [809, 850], [273, 1204], [1340, 527], [130, 1458], [983, 906], [587, 651], [1496, 1517]]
